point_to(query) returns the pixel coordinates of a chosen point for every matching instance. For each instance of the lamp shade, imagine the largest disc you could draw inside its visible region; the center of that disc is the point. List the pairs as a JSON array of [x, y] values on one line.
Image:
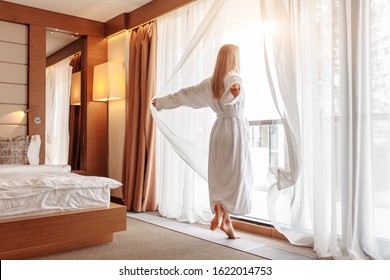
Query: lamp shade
[[108, 82], [75, 89]]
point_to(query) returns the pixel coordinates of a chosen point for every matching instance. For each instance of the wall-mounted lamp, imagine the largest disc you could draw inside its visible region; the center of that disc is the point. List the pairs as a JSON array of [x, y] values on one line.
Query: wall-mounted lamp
[[37, 119], [75, 89], [108, 82]]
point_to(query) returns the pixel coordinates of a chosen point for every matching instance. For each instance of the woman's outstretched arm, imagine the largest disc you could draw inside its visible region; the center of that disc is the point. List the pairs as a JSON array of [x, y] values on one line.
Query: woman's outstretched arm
[[194, 97]]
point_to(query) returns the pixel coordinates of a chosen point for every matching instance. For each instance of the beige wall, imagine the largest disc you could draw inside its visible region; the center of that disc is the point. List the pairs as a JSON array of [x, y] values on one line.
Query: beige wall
[[13, 79], [116, 113]]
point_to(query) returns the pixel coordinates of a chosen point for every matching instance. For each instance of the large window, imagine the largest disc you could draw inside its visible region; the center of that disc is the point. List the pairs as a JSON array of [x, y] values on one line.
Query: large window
[[189, 41], [266, 132], [330, 64]]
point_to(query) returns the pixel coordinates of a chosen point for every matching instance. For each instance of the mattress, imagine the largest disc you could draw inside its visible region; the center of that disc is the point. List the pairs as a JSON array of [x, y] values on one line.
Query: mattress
[[46, 189]]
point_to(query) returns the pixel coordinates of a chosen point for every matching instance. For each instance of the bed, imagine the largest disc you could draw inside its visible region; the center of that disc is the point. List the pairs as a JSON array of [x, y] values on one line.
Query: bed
[[47, 208]]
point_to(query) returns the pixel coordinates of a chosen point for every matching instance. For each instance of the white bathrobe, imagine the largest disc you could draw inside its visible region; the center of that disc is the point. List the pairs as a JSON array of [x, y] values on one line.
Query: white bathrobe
[[230, 167]]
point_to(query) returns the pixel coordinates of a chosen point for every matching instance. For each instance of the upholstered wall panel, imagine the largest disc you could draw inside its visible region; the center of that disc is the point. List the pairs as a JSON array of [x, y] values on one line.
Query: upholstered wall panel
[[12, 114], [13, 79], [13, 120], [13, 73], [13, 53], [12, 32], [11, 131], [13, 94]]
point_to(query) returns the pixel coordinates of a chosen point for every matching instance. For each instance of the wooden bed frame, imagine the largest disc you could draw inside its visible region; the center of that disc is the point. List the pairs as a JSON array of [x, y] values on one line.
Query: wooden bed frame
[[31, 236]]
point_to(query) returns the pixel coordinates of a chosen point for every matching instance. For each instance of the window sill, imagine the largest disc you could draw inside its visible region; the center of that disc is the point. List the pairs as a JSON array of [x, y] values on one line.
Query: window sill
[[263, 230]]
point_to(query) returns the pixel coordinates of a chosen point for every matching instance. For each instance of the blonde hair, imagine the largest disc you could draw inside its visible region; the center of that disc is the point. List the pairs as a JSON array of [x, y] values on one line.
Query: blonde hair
[[228, 59]]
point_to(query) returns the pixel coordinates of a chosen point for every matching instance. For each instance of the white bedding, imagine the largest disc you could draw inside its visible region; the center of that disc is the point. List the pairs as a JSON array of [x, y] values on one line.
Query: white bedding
[[42, 189]]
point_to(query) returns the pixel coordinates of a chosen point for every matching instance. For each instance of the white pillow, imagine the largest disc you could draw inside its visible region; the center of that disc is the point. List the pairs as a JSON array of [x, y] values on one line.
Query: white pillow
[[33, 150]]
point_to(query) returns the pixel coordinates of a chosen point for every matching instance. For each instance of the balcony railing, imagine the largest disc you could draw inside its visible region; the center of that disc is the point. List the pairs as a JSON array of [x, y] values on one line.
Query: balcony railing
[[267, 149], [267, 134]]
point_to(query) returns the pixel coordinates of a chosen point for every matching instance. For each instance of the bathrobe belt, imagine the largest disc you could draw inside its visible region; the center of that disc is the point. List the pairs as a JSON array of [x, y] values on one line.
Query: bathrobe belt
[[230, 113]]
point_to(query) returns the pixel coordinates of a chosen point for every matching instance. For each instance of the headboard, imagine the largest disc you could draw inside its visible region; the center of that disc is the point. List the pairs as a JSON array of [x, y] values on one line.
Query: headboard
[[13, 79]]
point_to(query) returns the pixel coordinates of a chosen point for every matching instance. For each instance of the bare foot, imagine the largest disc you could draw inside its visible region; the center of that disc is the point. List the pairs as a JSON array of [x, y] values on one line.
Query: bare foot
[[227, 227], [218, 214]]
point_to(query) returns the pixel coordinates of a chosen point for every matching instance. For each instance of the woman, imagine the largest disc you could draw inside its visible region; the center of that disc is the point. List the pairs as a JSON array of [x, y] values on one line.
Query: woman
[[229, 167]]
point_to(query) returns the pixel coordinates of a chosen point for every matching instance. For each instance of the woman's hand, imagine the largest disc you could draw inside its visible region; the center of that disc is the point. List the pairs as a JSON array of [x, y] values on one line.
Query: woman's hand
[[235, 89], [154, 102]]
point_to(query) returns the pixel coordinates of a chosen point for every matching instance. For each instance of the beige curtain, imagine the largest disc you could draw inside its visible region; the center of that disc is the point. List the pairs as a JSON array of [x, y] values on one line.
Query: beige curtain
[[139, 191]]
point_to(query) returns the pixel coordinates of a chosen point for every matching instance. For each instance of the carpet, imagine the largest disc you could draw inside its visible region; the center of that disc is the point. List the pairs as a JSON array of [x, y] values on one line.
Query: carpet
[[151, 237], [145, 241], [259, 246]]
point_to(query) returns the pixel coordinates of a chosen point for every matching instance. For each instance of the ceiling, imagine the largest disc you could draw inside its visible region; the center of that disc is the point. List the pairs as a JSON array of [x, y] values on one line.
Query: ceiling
[[98, 10]]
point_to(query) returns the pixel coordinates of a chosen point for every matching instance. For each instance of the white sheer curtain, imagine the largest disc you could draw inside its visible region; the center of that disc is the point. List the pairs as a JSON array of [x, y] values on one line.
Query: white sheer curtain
[[328, 65], [58, 79], [188, 42], [186, 51], [340, 202]]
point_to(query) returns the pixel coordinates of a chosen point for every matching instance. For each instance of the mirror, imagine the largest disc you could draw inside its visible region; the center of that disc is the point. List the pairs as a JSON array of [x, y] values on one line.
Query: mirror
[[60, 46], [58, 39]]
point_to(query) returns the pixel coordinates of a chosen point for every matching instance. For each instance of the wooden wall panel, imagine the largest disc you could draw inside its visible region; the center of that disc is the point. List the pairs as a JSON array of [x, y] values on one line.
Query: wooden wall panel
[[37, 84], [116, 24], [95, 52], [36, 21]]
